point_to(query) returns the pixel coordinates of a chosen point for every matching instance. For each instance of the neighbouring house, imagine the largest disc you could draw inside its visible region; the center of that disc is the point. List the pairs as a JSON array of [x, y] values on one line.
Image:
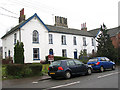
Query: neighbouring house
[[41, 40], [1, 52], [113, 32]]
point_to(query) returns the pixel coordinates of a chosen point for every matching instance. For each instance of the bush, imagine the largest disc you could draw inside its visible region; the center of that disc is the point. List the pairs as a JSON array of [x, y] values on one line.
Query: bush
[[36, 68], [84, 61], [23, 70], [14, 69]]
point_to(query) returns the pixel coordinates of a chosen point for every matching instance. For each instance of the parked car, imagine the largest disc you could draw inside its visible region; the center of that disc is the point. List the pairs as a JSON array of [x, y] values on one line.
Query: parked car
[[67, 68], [101, 63]]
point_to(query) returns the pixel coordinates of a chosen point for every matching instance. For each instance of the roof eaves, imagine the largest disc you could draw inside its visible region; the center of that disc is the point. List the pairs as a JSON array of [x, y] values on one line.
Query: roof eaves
[[71, 33]]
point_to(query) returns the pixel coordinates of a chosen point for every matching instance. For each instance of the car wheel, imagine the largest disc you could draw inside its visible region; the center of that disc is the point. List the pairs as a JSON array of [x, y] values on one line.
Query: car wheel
[[101, 69], [113, 67], [89, 71], [67, 74]]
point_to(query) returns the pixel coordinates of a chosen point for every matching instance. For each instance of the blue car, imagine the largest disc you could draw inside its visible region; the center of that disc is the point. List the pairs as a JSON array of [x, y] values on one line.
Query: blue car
[[101, 63], [67, 68]]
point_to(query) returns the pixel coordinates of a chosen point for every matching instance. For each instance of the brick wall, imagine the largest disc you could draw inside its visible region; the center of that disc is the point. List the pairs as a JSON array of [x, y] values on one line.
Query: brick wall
[[116, 40]]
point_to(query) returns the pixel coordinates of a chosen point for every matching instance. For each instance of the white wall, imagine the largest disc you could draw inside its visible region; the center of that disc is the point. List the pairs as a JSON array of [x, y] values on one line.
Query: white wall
[[43, 45], [8, 44], [26, 38], [57, 45]]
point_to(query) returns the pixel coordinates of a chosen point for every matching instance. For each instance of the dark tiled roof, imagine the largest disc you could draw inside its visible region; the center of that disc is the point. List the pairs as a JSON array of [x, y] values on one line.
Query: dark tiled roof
[[94, 32], [64, 30], [13, 29], [112, 31]]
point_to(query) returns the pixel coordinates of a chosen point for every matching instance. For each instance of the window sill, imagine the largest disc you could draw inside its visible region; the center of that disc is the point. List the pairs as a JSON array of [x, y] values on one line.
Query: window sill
[[36, 59], [35, 42], [64, 44]]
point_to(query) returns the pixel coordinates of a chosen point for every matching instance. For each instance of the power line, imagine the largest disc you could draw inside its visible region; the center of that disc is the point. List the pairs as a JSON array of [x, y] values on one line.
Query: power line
[[8, 15], [8, 10], [34, 5]]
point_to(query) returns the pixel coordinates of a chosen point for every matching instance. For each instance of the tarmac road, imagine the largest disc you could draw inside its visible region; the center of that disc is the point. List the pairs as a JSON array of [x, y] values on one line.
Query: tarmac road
[[107, 79]]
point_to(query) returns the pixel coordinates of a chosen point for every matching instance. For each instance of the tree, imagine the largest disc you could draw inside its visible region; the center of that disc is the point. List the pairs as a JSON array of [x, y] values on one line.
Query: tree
[[19, 53], [83, 54], [105, 46]]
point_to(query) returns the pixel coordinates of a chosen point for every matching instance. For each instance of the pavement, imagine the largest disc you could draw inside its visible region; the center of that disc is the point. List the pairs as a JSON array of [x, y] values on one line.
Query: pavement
[[11, 82]]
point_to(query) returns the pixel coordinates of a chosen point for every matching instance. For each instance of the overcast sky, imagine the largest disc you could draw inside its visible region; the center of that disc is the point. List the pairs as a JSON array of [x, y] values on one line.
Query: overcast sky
[[93, 12]]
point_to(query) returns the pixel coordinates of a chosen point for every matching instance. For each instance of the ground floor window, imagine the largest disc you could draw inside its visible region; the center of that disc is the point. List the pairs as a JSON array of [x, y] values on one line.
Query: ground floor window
[[5, 55], [36, 54], [9, 53], [64, 53]]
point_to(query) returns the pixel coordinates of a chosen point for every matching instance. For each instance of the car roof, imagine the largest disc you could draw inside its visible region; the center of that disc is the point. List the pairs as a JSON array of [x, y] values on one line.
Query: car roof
[[66, 60], [98, 57]]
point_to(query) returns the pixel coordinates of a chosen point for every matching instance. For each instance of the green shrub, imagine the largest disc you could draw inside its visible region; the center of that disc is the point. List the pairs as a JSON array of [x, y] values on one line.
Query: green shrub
[[45, 68], [84, 61], [23, 70], [36, 68], [19, 53], [14, 69]]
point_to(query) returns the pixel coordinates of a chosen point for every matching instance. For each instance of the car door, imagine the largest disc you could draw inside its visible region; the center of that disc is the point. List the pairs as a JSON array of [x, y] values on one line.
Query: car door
[[81, 68], [104, 63], [72, 66], [109, 64]]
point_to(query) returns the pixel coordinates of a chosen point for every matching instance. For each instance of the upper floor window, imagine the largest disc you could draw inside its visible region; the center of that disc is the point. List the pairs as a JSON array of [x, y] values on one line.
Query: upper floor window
[[15, 38], [74, 41], [35, 36], [92, 42], [84, 41], [50, 39], [63, 40]]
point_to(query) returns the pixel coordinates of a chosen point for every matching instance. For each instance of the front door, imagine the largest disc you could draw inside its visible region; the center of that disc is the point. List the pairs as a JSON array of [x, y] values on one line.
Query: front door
[[75, 55]]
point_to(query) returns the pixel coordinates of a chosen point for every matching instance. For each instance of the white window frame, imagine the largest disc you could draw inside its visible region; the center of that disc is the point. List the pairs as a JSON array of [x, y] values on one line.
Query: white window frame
[[50, 39], [35, 36], [37, 53], [63, 39]]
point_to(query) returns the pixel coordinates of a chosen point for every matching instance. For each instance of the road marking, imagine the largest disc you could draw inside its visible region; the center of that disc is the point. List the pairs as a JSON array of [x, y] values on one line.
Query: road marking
[[34, 82], [107, 75], [66, 84]]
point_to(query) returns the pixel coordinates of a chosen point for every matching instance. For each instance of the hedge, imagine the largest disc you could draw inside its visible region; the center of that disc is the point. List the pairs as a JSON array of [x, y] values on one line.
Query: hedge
[[22, 70]]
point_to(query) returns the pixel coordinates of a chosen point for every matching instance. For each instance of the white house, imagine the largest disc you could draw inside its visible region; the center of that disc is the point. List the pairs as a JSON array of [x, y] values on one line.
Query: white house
[[40, 39]]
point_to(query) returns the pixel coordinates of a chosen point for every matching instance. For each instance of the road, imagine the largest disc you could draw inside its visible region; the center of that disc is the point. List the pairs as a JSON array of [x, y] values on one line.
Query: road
[[107, 79]]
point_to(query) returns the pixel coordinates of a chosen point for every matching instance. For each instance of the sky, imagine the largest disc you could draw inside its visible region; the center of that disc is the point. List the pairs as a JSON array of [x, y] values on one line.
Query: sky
[[93, 12]]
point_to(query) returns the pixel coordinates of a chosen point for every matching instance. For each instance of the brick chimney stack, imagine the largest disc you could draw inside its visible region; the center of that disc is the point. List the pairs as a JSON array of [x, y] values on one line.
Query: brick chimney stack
[[22, 16], [83, 26]]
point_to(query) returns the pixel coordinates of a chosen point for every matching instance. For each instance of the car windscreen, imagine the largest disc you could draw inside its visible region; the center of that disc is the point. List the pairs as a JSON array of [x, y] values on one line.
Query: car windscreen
[[55, 63], [93, 60]]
